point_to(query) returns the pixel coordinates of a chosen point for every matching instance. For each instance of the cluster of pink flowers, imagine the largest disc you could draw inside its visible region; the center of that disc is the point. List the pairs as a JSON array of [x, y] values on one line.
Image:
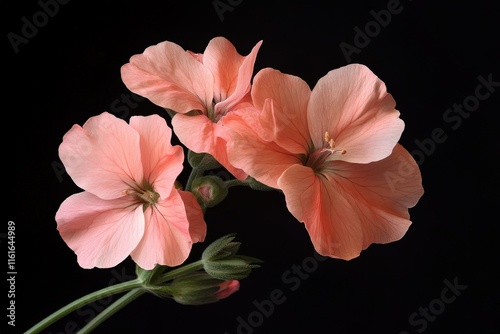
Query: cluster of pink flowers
[[332, 150]]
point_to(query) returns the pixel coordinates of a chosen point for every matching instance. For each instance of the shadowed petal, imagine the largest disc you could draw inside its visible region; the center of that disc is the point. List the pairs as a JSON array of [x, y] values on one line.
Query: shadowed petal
[[283, 100], [232, 72], [264, 161], [201, 135], [357, 205], [197, 225], [330, 220]]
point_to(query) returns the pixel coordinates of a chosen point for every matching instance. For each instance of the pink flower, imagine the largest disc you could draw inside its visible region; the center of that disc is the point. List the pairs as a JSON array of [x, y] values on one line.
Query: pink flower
[[333, 152], [208, 86], [129, 205]]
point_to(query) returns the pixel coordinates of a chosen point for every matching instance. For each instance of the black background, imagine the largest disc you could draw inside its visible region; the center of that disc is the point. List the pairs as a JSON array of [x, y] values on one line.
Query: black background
[[430, 56]]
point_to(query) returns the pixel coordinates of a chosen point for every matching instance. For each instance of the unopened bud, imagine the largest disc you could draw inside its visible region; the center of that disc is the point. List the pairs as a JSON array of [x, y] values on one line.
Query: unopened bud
[[221, 261], [198, 288], [202, 160], [209, 190]]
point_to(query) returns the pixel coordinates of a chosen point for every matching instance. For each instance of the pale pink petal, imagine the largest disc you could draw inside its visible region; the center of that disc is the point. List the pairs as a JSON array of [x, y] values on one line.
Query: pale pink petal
[[102, 157], [353, 106], [356, 204], [170, 77], [201, 135], [102, 233], [195, 216], [232, 72], [167, 240], [283, 100], [161, 161]]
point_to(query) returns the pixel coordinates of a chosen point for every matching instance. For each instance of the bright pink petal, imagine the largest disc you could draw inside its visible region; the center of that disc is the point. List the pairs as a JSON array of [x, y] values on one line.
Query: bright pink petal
[[201, 135], [162, 162], [283, 100], [102, 157], [195, 216], [102, 233], [232, 72], [167, 239], [170, 77], [353, 106], [359, 205]]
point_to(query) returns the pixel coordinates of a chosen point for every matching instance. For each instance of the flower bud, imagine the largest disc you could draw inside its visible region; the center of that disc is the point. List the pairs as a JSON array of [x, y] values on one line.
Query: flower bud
[[209, 190], [221, 261], [198, 288], [202, 160]]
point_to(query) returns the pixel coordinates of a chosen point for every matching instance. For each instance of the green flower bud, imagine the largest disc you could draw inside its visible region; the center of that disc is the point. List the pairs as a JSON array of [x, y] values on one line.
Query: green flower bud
[[209, 190], [202, 160], [221, 261], [198, 288]]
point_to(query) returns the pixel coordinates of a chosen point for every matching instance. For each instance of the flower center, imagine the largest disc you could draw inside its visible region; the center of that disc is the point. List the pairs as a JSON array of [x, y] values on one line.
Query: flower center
[[318, 157], [145, 194]]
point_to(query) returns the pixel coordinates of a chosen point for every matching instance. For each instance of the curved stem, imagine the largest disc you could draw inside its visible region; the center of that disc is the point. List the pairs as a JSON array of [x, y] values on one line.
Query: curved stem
[[236, 182], [112, 309], [87, 299], [193, 175], [180, 271]]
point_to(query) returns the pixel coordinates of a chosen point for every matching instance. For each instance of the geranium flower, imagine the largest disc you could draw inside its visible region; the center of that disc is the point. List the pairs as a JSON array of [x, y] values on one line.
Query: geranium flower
[[207, 86], [334, 153], [129, 205]]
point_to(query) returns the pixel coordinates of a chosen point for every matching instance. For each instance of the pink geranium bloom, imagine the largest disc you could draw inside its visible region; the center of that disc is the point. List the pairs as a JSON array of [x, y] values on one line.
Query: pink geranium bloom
[[208, 86], [129, 205], [333, 152]]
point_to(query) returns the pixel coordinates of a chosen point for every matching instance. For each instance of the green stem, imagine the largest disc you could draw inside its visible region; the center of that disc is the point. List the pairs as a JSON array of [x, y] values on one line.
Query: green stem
[[87, 299], [112, 309], [236, 182], [180, 271], [195, 172]]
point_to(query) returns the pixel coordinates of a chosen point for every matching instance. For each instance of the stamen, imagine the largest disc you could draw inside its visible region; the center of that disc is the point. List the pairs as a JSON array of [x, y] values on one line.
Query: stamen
[[331, 143]]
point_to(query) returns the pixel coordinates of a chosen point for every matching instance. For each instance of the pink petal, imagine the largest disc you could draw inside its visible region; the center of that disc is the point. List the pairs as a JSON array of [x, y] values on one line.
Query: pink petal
[[170, 77], [201, 135], [283, 100], [102, 233], [264, 161], [232, 72], [102, 157], [162, 162], [358, 205], [330, 220], [195, 216], [353, 106], [167, 239]]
